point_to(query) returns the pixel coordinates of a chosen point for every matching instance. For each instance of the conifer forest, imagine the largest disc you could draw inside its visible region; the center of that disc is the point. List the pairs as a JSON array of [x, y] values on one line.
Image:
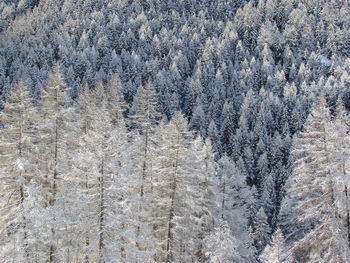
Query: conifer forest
[[174, 131]]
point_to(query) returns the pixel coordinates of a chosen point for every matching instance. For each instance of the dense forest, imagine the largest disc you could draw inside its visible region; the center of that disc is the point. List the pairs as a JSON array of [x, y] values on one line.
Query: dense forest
[[175, 131]]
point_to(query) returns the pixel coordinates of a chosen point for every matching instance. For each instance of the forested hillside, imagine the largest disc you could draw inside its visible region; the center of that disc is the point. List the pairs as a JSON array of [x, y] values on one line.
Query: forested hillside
[[174, 131]]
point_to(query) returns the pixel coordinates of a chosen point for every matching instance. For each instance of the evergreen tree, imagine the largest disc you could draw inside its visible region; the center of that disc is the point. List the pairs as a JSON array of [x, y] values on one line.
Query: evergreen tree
[[198, 121], [262, 231], [233, 200]]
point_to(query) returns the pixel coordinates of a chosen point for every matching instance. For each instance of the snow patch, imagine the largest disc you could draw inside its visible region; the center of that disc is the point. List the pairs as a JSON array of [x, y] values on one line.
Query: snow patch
[[324, 60]]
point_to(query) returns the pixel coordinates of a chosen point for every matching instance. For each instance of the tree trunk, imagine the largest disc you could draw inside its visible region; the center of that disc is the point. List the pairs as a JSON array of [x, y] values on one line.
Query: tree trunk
[[142, 187], [347, 210], [144, 166], [223, 200], [25, 234], [102, 215], [54, 180], [169, 254], [21, 191]]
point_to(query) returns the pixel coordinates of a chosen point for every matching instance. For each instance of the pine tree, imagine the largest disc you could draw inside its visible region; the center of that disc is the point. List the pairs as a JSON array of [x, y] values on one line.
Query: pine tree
[[198, 121], [227, 126], [268, 198], [262, 231]]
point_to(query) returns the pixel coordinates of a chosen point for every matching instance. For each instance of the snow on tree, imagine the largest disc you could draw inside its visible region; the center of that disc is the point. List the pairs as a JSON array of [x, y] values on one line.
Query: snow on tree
[[115, 99], [340, 142], [227, 126], [273, 252], [315, 185], [233, 200], [103, 183], [262, 230], [179, 179], [144, 117], [198, 121], [268, 198], [206, 194], [207, 58], [52, 121], [221, 245], [16, 173]]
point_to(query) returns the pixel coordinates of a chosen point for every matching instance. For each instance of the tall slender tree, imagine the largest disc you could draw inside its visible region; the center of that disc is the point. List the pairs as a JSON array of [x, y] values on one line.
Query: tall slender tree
[[274, 252], [316, 185], [144, 116], [103, 181], [180, 177], [53, 105], [16, 172]]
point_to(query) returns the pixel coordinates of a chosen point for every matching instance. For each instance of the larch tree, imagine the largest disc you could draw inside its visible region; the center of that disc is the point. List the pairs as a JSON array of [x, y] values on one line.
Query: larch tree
[[262, 230], [339, 144], [221, 245], [273, 252], [77, 178], [144, 116], [206, 199], [53, 117], [180, 179], [316, 187], [93, 163], [115, 99], [102, 179], [16, 172]]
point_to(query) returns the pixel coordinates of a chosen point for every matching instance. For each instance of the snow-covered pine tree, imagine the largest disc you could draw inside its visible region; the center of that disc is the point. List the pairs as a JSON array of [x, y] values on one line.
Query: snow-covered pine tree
[[233, 196], [262, 230]]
